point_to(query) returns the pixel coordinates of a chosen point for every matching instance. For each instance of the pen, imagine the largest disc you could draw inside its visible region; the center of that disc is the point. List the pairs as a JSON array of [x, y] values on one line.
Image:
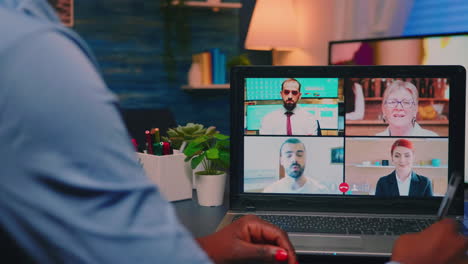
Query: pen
[[449, 195]]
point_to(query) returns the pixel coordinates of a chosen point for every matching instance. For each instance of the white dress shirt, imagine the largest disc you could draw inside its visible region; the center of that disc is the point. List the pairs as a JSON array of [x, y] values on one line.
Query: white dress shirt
[[302, 122], [403, 186], [286, 184]]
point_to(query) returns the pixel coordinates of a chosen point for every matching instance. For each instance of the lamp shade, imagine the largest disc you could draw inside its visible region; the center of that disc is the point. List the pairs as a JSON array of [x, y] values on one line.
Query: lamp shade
[[273, 26]]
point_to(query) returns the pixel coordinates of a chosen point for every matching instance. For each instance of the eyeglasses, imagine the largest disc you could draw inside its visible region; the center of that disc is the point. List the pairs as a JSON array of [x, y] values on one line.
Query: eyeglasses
[[405, 103], [295, 92]]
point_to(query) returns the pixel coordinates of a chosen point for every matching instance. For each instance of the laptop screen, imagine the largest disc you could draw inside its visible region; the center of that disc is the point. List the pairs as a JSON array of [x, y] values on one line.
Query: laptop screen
[[379, 136]]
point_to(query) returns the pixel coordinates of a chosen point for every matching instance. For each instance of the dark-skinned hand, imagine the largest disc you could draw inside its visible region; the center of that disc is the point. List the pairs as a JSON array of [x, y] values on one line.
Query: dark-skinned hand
[[249, 240], [440, 243]]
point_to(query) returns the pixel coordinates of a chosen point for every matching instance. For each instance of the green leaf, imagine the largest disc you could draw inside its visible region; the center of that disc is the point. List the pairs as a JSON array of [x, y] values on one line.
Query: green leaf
[[196, 161], [199, 140], [211, 130], [192, 149], [220, 136], [222, 144], [224, 157], [190, 129], [212, 154], [171, 132]]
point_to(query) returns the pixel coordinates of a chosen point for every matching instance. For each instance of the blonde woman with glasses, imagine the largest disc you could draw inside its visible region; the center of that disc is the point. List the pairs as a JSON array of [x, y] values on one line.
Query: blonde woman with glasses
[[399, 108]]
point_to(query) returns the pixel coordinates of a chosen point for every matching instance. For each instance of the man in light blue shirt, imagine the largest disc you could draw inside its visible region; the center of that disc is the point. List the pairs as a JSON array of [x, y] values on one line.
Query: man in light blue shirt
[[71, 189]]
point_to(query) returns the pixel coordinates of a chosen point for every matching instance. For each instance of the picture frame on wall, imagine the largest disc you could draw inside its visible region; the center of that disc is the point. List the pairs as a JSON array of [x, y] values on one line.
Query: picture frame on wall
[[337, 155]]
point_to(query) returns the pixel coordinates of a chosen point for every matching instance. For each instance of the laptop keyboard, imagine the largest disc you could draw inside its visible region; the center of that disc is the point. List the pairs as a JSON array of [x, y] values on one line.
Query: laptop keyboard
[[346, 225]]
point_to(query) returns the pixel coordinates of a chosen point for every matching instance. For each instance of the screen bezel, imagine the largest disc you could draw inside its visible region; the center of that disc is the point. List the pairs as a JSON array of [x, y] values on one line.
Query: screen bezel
[[351, 204]]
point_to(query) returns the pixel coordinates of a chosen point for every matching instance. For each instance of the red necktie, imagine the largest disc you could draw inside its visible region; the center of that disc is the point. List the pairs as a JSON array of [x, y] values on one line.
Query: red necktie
[[288, 123]]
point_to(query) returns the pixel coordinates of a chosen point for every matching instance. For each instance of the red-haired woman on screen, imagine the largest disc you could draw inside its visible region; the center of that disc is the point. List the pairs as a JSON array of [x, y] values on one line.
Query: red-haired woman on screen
[[403, 181]]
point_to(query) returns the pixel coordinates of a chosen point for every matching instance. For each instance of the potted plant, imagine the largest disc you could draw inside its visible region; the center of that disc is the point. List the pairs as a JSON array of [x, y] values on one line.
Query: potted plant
[[181, 136], [178, 135], [212, 151]]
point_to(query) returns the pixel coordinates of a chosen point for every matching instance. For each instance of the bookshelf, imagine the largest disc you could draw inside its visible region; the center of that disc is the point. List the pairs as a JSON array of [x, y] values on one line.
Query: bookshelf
[[380, 122], [392, 167], [379, 99], [208, 62]]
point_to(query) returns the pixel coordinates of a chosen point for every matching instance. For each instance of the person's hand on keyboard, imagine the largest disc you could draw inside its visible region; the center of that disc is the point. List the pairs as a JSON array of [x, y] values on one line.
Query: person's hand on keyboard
[[249, 240], [440, 243]]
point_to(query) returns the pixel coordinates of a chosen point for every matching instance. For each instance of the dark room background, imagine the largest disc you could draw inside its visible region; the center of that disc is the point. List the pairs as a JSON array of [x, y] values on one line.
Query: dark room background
[[127, 37]]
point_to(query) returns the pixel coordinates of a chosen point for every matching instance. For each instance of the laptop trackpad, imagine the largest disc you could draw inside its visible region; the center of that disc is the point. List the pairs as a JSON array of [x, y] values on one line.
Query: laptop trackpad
[[302, 241]]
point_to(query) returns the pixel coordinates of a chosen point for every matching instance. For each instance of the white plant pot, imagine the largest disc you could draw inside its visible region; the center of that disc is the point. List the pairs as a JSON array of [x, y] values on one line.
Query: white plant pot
[[194, 175], [210, 189], [191, 173]]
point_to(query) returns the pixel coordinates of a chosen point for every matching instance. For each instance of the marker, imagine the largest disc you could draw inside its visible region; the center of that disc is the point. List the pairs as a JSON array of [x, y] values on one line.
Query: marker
[[149, 146], [157, 136], [449, 195], [166, 148], [135, 144], [158, 149], [163, 150]]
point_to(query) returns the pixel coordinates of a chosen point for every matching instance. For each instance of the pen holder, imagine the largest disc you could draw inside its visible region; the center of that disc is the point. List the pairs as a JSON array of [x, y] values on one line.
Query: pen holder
[[168, 173]]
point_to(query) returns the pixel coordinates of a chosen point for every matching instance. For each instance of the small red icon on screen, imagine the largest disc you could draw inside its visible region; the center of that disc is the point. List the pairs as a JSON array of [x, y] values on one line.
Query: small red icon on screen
[[344, 187]]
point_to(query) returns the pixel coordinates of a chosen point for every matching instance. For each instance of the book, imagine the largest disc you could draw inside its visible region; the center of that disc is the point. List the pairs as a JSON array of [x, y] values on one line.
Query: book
[[215, 60], [222, 71], [206, 68]]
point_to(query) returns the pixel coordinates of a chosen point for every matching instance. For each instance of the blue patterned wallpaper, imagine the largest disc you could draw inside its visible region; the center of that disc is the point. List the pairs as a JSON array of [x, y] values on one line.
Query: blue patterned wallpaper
[[127, 39]]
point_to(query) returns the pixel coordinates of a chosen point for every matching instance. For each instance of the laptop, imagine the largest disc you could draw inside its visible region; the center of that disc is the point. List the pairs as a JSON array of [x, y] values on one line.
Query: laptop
[[345, 158]]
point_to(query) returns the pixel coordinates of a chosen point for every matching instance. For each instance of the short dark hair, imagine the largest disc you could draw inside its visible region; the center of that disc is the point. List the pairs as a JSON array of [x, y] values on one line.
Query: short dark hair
[[291, 141], [291, 80]]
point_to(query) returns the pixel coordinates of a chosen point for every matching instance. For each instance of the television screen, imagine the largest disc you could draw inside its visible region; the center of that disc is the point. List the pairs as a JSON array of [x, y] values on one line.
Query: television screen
[[444, 49], [414, 50]]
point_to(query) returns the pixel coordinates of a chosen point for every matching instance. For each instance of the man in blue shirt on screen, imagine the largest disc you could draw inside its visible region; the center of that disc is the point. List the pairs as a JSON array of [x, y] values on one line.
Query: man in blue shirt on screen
[[291, 119], [71, 189]]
